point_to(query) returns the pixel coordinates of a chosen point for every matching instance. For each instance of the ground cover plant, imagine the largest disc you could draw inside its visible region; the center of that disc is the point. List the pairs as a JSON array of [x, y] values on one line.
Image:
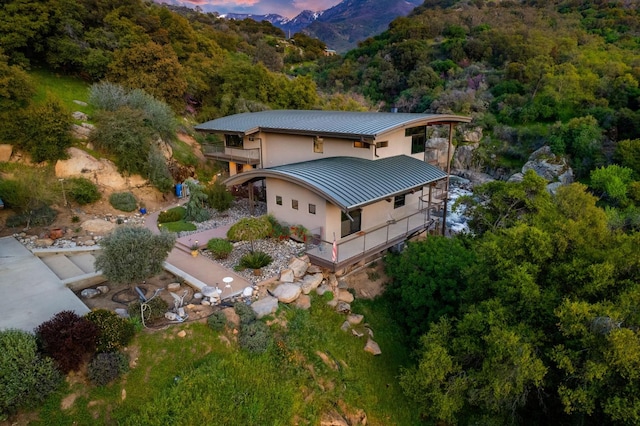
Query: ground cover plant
[[200, 379]]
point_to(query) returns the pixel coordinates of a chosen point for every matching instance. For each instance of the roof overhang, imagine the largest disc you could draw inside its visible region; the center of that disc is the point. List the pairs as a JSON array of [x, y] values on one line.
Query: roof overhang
[[338, 124], [351, 183]]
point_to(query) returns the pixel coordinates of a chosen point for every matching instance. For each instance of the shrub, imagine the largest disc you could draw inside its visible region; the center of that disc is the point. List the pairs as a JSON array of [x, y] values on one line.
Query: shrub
[[158, 171], [255, 337], [68, 338], [196, 208], [217, 321], [106, 367], [153, 310], [133, 253], [115, 332], [219, 247], [255, 260], [245, 312], [123, 201], [249, 229], [26, 377], [83, 191], [219, 196], [41, 216], [278, 230], [172, 215]]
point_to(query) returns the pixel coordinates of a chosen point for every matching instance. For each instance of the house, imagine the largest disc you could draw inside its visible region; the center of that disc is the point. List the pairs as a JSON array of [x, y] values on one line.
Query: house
[[360, 182]]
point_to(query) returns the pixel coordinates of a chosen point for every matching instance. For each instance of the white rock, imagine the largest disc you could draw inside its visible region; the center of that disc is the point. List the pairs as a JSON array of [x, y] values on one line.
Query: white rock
[[287, 292], [311, 282], [265, 306]]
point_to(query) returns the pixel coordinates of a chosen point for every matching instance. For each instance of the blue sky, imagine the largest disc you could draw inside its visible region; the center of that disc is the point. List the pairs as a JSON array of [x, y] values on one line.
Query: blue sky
[[288, 8]]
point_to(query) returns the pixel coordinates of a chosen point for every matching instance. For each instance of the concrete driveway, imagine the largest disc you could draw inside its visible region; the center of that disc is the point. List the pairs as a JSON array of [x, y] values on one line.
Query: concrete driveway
[[30, 293]]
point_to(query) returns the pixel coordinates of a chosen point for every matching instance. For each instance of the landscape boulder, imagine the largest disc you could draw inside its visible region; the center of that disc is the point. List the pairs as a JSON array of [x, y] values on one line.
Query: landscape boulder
[[345, 295], [287, 292], [90, 293], [265, 306], [286, 276], [303, 302], [355, 319], [5, 152], [98, 226], [299, 267], [333, 419], [343, 308], [372, 347], [311, 282]]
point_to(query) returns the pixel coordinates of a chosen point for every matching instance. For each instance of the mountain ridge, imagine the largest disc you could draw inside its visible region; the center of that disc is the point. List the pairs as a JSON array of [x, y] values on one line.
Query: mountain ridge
[[340, 27]]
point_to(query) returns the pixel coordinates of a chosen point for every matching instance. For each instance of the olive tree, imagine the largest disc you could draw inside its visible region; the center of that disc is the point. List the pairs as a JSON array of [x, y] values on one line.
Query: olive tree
[[132, 253]]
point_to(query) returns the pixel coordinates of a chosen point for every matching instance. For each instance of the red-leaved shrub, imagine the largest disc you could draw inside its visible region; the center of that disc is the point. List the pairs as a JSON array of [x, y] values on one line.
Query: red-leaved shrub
[[67, 338]]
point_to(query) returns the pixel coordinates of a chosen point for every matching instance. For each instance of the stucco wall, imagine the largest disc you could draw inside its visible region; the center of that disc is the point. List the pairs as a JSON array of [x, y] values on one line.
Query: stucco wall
[[286, 214], [278, 149], [382, 211]]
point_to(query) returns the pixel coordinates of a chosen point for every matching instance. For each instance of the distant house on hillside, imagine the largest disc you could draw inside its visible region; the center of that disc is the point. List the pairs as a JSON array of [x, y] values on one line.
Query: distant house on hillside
[[360, 182]]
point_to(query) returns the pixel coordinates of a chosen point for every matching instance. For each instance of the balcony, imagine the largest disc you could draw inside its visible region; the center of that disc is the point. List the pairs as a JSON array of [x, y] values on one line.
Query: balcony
[[363, 244], [229, 154]]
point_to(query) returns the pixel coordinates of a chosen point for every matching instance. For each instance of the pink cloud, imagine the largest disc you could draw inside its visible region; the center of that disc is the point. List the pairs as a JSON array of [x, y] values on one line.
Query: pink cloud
[[315, 5]]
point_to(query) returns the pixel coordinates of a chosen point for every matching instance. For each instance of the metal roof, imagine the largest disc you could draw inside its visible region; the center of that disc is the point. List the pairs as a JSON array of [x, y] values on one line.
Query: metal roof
[[347, 124], [350, 182]]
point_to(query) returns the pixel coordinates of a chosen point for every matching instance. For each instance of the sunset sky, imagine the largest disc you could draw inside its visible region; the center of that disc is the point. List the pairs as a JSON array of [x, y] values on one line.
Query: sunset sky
[[288, 8]]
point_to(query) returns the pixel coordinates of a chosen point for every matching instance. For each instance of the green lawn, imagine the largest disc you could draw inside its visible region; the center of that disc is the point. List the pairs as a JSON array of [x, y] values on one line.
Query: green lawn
[[199, 379], [65, 88]]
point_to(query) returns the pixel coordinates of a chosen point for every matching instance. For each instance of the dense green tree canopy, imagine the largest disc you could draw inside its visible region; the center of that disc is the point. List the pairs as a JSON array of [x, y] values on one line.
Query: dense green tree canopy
[[544, 328]]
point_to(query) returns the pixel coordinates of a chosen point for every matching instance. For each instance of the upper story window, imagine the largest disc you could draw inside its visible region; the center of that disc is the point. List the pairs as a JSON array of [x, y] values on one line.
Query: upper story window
[[360, 144], [418, 138], [318, 145], [278, 200], [382, 144], [398, 201], [233, 141]]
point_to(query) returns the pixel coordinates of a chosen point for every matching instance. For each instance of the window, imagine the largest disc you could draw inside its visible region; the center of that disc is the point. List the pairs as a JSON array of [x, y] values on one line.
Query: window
[[418, 138], [278, 200], [382, 144], [398, 201], [348, 226], [233, 140], [318, 145], [294, 204], [312, 208], [360, 144]]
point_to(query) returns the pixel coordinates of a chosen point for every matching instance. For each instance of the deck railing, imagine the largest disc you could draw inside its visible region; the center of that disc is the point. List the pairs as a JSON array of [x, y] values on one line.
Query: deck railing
[[238, 155], [361, 244]]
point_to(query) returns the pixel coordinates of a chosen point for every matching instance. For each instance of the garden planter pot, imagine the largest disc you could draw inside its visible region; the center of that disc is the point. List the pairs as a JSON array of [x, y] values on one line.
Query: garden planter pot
[[194, 253]]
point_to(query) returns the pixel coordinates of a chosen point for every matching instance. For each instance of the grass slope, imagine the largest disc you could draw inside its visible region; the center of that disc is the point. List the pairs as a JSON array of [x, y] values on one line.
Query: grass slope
[[199, 379], [65, 88]]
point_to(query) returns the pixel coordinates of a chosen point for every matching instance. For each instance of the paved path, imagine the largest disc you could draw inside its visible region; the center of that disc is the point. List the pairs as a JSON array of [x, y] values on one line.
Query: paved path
[[199, 271]]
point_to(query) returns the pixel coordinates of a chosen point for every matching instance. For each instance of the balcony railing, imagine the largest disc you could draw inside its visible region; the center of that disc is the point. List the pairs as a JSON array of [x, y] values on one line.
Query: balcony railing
[[362, 244], [237, 155]]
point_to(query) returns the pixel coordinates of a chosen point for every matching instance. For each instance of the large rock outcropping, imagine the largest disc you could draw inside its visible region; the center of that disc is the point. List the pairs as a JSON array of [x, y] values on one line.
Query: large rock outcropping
[[101, 172], [554, 169]]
